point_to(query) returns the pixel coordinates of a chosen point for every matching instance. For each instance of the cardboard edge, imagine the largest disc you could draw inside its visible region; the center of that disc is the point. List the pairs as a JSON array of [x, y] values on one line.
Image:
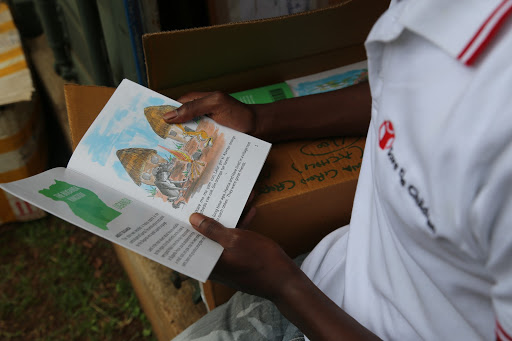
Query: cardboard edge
[[70, 109], [158, 46], [71, 90], [250, 22]]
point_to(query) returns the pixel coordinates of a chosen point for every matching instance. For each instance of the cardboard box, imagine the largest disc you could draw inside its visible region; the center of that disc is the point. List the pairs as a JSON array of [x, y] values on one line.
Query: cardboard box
[[239, 56], [23, 153], [306, 188]]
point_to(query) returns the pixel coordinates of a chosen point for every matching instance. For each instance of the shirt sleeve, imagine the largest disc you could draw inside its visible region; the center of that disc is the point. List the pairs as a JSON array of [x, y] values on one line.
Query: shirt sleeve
[[493, 210]]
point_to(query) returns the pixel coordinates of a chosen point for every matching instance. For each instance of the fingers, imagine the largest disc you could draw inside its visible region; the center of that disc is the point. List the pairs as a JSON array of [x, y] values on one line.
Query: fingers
[[180, 115], [208, 227], [183, 115], [195, 104], [219, 106]]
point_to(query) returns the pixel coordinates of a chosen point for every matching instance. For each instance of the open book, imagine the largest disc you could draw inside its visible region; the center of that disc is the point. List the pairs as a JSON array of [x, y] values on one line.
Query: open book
[[135, 180]]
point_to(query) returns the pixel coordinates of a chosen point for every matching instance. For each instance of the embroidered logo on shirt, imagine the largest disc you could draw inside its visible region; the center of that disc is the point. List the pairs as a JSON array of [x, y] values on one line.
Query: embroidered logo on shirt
[[386, 139], [386, 135]]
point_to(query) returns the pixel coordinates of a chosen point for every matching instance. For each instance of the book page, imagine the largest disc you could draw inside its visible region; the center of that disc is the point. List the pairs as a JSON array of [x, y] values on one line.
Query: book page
[[199, 166], [265, 94], [329, 80], [120, 219]]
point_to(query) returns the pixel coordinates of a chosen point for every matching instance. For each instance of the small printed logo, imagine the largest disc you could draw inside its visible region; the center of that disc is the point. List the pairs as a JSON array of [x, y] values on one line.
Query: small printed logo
[[386, 139], [386, 135]]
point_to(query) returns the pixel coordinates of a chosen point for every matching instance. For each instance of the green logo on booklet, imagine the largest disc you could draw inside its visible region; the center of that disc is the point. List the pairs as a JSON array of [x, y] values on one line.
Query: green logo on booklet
[[82, 202]]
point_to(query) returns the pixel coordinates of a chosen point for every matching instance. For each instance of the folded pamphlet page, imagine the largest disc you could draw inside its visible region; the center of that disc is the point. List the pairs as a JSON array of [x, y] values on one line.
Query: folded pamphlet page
[[316, 83], [135, 180], [329, 80]]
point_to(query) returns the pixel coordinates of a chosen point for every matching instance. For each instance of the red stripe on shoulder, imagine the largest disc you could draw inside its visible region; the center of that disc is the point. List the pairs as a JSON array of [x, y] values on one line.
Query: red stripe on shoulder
[[501, 334], [486, 32]]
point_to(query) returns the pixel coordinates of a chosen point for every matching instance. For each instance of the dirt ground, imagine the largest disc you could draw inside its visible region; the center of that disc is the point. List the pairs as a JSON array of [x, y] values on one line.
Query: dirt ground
[[59, 282]]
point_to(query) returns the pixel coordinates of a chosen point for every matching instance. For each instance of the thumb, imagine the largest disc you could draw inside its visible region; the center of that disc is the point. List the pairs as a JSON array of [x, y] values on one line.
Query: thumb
[[208, 227], [194, 105], [178, 115]]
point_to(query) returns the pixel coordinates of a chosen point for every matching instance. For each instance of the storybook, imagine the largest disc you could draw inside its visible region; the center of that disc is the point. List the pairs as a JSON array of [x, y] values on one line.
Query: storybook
[[134, 180]]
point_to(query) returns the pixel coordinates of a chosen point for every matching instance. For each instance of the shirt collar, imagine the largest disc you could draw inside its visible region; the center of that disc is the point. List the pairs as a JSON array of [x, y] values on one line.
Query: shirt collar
[[462, 28]]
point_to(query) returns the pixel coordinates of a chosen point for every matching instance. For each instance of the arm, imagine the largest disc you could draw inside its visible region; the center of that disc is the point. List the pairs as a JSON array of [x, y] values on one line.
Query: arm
[[344, 112], [256, 265], [341, 112], [319, 318]]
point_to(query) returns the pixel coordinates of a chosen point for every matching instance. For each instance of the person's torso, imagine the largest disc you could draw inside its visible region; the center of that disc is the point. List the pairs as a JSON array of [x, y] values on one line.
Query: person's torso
[[414, 266]]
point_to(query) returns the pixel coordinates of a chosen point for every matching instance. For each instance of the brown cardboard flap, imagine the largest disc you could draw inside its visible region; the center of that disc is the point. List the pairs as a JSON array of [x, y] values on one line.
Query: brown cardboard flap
[[306, 190], [297, 167], [84, 103], [271, 74], [247, 54]]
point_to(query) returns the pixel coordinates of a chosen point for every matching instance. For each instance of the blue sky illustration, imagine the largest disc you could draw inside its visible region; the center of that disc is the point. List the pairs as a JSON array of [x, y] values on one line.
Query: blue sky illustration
[[330, 83], [103, 140]]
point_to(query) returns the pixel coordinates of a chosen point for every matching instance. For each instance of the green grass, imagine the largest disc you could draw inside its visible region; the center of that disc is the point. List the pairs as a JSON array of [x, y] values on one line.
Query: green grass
[[58, 282]]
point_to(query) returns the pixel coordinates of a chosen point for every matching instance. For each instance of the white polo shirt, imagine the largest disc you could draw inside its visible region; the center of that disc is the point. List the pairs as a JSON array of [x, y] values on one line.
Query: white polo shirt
[[428, 254]]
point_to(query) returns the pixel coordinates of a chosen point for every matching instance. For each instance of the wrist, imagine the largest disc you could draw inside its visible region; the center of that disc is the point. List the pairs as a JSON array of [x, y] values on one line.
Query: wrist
[[293, 284], [262, 123]]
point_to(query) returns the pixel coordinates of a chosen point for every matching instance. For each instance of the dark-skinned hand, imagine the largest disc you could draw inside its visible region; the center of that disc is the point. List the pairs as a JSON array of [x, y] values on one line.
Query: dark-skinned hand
[[217, 105], [250, 262]]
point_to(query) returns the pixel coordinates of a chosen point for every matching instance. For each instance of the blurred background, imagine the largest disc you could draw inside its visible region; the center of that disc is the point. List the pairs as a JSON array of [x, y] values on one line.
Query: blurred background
[[58, 282]]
